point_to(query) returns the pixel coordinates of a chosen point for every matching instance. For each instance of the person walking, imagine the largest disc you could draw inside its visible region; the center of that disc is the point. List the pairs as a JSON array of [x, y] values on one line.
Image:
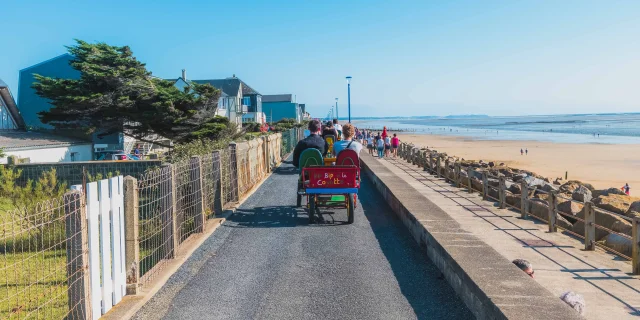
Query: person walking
[[387, 146], [370, 145], [526, 152], [395, 142], [380, 144], [521, 152]]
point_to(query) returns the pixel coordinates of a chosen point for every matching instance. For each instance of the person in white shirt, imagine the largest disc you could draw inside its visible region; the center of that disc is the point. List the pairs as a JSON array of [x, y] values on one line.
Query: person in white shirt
[[370, 144], [338, 127]]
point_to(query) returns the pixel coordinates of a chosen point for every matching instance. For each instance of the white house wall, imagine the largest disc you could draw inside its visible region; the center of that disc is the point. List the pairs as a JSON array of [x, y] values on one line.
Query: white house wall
[[59, 154]]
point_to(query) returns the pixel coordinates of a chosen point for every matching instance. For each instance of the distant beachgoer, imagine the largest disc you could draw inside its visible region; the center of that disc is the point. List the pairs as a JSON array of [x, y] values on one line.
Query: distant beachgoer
[[387, 145], [521, 152], [526, 152], [626, 188], [370, 144], [598, 135], [380, 145]]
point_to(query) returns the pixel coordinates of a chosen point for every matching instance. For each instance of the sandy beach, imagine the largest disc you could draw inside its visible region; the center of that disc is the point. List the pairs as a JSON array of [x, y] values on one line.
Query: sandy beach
[[602, 165]]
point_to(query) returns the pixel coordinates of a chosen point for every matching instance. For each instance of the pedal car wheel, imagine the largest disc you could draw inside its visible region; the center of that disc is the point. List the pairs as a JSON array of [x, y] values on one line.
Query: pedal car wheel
[[312, 207], [350, 209]]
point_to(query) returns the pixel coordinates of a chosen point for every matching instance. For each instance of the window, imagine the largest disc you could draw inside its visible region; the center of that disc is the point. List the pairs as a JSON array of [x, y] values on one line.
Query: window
[[74, 156], [246, 101], [223, 103]]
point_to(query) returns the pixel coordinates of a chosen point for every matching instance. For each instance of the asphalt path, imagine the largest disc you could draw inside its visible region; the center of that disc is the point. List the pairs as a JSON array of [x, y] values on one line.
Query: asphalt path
[[267, 262]]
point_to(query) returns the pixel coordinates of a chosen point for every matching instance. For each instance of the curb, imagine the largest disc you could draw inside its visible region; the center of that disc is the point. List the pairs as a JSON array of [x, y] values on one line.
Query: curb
[[490, 285]]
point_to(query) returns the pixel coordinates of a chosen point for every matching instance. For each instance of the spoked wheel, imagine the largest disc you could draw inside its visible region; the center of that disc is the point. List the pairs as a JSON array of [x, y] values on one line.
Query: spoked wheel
[[312, 207], [350, 208]]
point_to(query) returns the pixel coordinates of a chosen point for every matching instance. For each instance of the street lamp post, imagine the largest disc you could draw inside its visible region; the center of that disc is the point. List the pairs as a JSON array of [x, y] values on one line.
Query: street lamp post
[[349, 97], [337, 115]]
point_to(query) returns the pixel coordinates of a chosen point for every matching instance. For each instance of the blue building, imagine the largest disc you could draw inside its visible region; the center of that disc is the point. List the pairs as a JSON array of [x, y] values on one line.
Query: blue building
[[281, 106]]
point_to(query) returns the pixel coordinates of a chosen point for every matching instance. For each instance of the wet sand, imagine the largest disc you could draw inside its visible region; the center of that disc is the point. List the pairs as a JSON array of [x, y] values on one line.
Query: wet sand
[[602, 165]]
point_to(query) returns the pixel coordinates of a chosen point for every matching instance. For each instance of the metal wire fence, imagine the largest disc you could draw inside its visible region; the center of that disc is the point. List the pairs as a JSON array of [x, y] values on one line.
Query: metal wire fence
[[41, 263]]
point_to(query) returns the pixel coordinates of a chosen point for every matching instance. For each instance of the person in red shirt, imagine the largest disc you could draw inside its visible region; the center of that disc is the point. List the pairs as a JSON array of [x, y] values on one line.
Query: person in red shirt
[[395, 142]]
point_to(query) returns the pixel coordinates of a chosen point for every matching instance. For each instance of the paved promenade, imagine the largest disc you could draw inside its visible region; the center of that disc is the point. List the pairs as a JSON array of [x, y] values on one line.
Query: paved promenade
[[559, 262], [267, 262]]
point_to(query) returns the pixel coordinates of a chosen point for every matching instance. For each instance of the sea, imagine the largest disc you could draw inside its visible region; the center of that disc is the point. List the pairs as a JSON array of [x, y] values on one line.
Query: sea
[[570, 128]]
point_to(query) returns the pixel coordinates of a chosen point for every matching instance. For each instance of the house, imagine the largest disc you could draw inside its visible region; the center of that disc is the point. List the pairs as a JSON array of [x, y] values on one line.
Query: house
[[282, 106], [238, 101], [34, 147]]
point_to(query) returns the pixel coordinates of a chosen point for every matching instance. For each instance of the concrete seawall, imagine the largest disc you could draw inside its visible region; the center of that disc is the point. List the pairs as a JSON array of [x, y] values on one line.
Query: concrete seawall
[[490, 285]]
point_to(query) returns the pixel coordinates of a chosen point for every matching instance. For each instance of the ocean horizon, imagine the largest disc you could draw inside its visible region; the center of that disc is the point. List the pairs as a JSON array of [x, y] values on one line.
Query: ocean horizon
[[604, 128]]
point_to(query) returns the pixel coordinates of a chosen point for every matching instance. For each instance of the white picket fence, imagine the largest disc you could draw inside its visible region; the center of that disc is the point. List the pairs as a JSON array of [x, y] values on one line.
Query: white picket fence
[[105, 221]]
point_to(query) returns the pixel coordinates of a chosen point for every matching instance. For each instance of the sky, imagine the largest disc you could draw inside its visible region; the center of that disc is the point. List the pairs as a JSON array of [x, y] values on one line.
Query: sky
[[407, 58]]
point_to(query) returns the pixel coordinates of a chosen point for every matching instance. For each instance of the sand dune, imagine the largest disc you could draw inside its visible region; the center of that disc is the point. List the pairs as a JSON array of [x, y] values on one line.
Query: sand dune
[[602, 165]]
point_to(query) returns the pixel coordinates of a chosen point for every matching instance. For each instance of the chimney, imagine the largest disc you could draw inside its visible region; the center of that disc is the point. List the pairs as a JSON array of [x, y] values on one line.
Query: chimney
[[184, 74]]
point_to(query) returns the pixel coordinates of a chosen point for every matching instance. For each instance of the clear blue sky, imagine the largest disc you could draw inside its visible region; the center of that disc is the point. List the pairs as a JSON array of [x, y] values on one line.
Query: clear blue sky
[[406, 57]]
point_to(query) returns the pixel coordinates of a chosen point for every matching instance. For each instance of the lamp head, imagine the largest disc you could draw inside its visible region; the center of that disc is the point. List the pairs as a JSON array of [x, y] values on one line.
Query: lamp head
[[348, 79]]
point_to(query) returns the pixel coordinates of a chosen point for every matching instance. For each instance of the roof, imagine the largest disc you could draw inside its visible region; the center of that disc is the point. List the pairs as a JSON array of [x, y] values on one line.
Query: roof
[[229, 86], [277, 98], [17, 140], [6, 96], [64, 55]]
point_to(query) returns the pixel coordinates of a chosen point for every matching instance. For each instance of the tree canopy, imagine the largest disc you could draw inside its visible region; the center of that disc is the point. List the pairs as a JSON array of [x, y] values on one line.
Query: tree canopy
[[116, 93]]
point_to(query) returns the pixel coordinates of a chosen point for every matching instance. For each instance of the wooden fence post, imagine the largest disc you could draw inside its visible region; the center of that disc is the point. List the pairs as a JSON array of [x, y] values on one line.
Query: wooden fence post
[[431, 169], [502, 191], [438, 174], [485, 185], [469, 178], [76, 231], [233, 172], [217, 182], [524, 200], [635, 243], [446, 170], [552, 212], [131, 236], [589, 226], [456, 175], [197, 179]]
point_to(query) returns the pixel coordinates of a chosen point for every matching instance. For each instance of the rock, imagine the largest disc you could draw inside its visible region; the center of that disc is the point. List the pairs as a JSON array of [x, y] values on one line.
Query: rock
[[582, 194], [493, 183], [513, 200], [634, 209], [533, 181], [542, 196], [492, 164], [501, 164], [549, 187], [477, 184], [617, 243], [547, 180], [518, 177], [563, 223], [622, 226], [570, 186], [614, 202], [604, 219], [570, 208], [610, 191], [557, 181], [539, 208], [515, 188]]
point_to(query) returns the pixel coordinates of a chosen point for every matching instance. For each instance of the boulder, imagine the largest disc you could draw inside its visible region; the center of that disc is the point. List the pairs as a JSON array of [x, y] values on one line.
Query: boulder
[[634, 210], [518, 176], [549, 187], [617, 243], [476, 183], [622, 226], [492, 164], [582, 194], [614, 203], [515, 188], [513, 200], [604, 219], [609, 191], [539, 208], [534, 182], [563, 223], [570, 186], [570, 208], [557, 181], [547, 180]]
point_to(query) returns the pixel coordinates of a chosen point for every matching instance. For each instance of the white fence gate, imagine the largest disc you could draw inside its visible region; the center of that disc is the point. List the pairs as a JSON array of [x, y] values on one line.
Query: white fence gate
[[105, 215]]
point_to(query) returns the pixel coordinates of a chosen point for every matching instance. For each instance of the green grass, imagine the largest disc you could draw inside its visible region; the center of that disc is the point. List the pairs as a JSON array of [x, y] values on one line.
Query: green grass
[[33, 275]]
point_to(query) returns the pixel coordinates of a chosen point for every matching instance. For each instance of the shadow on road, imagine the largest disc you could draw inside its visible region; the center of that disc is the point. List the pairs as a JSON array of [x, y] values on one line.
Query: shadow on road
[[283, 217], [419, 280], [286, 170]]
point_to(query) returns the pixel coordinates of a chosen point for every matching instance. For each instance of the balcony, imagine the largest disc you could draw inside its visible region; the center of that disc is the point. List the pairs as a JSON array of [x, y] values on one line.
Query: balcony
[[243, 109]]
